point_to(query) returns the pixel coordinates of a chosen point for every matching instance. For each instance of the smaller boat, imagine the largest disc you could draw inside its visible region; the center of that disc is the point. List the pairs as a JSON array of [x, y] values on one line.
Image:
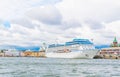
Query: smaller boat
[[11, 53]]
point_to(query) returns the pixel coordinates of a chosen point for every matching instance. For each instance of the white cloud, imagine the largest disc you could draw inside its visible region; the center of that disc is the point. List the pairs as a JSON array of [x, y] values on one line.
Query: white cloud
[[45, 14], [23, 22], [11, 9], [99, 10], [36, 21], [92, 14]]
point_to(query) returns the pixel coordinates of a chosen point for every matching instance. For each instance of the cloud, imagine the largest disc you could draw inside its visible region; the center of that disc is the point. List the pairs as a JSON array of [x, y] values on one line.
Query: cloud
[[94, 24], [50, 2], [19, 35], [46, 14], [33, 22], [23, 30], [12, 9], [93, 16], [94, 12], [1, 21], [70, 24], [23, 22]]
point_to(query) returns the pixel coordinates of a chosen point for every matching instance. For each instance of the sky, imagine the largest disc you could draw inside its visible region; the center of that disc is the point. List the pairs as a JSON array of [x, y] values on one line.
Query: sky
[[33, 22]]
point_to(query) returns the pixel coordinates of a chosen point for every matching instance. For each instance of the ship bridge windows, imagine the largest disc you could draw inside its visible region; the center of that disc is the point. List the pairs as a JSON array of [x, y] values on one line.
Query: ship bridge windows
[[87, 47], [92, 47], [73, 46], [78, 41]]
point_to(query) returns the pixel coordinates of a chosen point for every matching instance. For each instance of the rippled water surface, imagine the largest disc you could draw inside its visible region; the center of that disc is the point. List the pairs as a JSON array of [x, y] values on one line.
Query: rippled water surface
[[48, 67]]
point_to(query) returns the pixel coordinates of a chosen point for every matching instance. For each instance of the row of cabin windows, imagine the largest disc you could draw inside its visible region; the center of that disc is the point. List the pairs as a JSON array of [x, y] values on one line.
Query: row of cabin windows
[[82, 47], [109, 52]]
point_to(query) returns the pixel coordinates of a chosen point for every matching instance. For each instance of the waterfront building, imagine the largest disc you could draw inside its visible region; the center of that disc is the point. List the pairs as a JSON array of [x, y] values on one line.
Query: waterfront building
[[33, 54], [112, 52]]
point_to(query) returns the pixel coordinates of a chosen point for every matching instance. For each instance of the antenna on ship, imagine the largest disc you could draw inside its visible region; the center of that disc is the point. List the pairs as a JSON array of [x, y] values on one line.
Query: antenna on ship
[[44, 47], [91, 40], [57, 41]]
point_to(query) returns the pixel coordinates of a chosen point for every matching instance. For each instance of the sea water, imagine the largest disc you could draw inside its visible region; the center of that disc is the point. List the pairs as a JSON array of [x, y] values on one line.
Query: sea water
[[50, 67]]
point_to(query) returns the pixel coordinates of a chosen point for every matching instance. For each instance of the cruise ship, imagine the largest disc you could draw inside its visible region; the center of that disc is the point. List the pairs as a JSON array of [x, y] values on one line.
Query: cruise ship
[[77, 48]]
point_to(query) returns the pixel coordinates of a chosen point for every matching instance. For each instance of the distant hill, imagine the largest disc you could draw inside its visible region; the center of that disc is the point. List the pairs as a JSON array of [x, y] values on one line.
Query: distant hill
[[102, 46], [37, 48], [21, 48]]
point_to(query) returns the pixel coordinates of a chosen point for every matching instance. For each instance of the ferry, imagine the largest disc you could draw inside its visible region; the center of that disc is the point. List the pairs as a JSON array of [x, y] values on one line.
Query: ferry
[[11, 53], [77, 48]]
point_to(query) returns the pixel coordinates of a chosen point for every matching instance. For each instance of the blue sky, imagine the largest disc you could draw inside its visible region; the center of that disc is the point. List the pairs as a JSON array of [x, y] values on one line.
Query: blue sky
[[6, 24], [32, 22]]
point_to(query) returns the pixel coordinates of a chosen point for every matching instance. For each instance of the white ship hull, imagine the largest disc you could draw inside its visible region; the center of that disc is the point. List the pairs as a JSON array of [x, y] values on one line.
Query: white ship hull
[[77, 48], [87, 54]]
